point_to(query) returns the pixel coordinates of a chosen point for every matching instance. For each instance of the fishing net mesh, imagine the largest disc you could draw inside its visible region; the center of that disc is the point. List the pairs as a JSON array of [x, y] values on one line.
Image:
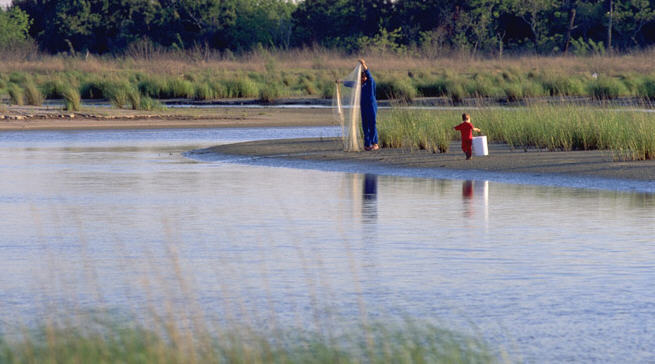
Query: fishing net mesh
[[345, 104]]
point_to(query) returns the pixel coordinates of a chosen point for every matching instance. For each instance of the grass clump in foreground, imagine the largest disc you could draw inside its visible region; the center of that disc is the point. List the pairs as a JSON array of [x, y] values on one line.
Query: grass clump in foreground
[[96, 342], [628, 134]]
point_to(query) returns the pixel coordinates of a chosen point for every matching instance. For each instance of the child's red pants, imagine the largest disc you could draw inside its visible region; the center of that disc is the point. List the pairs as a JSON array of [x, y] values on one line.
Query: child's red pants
[[467, 145]]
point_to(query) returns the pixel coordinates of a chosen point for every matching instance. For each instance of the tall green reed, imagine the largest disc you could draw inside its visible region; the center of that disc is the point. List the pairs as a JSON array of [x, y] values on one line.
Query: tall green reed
[[72, 99], [33, 94], [415, 129], [16, 94], [628, 134], [103, 342]]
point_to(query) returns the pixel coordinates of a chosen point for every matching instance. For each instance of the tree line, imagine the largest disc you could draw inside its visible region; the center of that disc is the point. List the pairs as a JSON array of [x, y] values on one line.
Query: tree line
[[431, 27]]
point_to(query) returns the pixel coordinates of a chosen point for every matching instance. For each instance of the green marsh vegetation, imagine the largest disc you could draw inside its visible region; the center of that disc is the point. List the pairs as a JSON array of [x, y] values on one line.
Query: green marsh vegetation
[[627, 134], [270, 75], [107, 341]]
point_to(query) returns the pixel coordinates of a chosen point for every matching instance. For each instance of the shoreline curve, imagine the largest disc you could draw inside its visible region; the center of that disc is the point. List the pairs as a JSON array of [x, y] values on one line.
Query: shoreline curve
[[584, 169]]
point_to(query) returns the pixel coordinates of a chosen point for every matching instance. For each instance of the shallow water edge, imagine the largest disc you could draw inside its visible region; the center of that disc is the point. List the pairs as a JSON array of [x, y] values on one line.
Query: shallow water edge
[[579, 169]]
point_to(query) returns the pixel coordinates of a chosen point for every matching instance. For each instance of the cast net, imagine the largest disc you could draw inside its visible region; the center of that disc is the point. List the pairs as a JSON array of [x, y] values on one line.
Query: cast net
[[345, 104]]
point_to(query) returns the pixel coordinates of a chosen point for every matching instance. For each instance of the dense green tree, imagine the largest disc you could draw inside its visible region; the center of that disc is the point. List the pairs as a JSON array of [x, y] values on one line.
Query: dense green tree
[[416, 17], [339, 23], [14, 27], [630, 17], [263, 22], [432, 26], [185, 23]]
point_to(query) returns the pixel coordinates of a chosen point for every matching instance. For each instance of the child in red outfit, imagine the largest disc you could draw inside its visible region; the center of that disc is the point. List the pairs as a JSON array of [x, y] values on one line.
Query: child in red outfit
[[467, 129]]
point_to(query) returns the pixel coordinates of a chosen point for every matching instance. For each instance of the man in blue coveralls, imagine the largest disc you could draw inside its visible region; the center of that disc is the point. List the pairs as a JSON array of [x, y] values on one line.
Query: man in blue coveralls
[[369, 107]]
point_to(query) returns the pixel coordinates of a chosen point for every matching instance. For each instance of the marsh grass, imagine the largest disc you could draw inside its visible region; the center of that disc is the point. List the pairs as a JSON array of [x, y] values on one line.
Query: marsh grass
[[627, 134], [241, 87], [16, 94], [149, 104], [647, 89], [396, 89], [32, 94], [106, 341], [269, 92], [311, 72], [72, 99], [605, 88], [415, 129]]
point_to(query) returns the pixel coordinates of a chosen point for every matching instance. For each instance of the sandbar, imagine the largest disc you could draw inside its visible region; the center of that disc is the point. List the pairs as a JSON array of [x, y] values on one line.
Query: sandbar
[[14, 118], [501, 159]]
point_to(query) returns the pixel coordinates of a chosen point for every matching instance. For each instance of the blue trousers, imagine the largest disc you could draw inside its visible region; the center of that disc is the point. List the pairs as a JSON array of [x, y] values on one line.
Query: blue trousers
[[368, 125]]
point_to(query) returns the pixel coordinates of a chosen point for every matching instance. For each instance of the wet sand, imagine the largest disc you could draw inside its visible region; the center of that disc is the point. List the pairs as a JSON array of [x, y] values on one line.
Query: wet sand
[[502, 159], [594, 164], [43, 118]]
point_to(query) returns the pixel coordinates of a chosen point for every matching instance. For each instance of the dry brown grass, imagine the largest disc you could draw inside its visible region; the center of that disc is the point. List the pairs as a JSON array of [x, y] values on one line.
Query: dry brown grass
[[312, 58]]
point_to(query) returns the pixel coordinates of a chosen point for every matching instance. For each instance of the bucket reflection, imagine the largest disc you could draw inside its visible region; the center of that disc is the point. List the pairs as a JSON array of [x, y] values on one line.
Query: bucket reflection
[[475, 195]]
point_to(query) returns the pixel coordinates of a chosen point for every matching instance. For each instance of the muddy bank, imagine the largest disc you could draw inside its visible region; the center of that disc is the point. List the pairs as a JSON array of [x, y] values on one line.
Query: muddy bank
[[594, 164], [47, 118]]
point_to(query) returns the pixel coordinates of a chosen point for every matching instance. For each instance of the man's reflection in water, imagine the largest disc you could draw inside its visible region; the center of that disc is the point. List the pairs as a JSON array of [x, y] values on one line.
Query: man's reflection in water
[[370, 198]]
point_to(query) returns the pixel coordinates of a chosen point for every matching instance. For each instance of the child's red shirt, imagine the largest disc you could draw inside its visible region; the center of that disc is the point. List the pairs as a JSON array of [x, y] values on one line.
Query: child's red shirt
[[466, 129]]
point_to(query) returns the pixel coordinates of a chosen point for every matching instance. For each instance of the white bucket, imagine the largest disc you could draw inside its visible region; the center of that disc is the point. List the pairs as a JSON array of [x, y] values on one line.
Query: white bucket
[[480, 145]]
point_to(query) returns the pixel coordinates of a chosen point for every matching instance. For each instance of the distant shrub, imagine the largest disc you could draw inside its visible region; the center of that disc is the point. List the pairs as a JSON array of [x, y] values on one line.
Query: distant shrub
[[482, 87], [647, 89], [16, 94], [606, 88], [327, 88], [93, 90], [432, 88], [17, 77], [53, 89], [120, 94], [309, 87], [72, 99], [242, 87], [180, 88], [149, 104], [134, 98], [532, 89], [456, 92], [32, 94], [151, 87], [510, 76], [269, 92], [203, 91], [513, 92], [219, 89], [631, 83], [562, 86], [395, 89]]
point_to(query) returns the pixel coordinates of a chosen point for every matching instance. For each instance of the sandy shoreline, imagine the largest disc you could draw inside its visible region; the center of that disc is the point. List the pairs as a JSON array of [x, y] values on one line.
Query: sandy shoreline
[[42, 118], [586, 164], [501, 159]]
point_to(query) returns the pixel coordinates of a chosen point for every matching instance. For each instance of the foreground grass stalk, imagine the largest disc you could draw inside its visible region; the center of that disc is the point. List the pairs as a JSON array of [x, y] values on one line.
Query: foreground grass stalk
[[409, 342]]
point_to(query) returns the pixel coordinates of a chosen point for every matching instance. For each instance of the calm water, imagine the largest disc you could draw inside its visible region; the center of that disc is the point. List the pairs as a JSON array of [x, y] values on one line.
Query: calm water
[[128, 220]]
